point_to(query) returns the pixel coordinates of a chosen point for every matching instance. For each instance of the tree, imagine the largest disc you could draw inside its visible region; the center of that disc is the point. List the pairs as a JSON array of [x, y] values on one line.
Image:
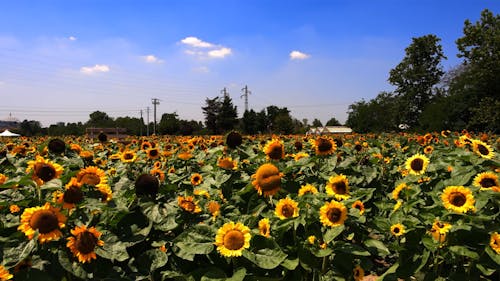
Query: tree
[[30, 128], [211, 111], [169, 124], [333, 122], [100, 119], [249, 122], [377, 115], [317, 123], [134, 125], [416, 76], [227, 117]]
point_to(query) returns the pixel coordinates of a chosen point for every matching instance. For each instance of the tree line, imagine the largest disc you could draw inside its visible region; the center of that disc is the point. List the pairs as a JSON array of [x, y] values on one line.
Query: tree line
[[427, 98]]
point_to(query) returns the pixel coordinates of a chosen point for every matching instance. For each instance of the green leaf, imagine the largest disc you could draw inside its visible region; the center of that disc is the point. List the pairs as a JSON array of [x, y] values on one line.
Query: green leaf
[[463, 251], [389, 271], [18, 253], [290, 264], [382, 250], [333, 232], [484, 270], [152, 259], [493, 255], [265, 253], [113, 249], [238, 275], [352, 249], [197, 240], [73, 267]]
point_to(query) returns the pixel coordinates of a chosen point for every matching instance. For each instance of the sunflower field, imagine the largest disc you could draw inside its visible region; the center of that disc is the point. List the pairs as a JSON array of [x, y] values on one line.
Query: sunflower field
[[264, 207]]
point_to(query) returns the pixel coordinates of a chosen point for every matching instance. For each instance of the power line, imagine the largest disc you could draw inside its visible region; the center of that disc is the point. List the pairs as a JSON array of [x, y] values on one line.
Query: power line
[[224, 92], [245, 94], [155, 103]]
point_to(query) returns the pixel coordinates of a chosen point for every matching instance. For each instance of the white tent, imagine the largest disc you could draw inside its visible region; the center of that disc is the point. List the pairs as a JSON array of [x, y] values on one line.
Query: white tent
[[8, 133]]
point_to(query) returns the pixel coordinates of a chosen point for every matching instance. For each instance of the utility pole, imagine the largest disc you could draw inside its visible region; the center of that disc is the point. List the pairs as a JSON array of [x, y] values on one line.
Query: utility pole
[[142, 122], [147, 121], [246, 92], [155, 103], [224, 92]]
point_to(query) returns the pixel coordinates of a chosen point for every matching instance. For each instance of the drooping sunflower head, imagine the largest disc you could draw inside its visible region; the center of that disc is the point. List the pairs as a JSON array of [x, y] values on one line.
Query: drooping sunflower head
[[274, 149], [487, 181], [234, 139], [92, 176], [128, 156], [102, 137], [358, 273], [188, 204], [360, 206], [227, 163], [147, 185], [264, 227], [83, 243], [398, 189], [417, 164], [333, 214], [307, 189], [46, 219], [196, 179], [232, 238], [482, 149], [57, 146], [299, 155], [398, 229], [213, 208], [324, 146], [44, 170], [286, 208], [72, 195], [458, 199], [439, 230], [338, 186], [185, 155], [495, 242], [267, 179]]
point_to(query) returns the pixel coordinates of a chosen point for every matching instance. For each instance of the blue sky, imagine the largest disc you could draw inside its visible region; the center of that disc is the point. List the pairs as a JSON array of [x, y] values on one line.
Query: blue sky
[[62, 60]]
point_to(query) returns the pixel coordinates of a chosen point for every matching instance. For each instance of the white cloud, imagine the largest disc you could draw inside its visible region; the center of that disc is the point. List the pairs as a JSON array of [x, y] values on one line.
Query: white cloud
[[297, 55], [94, 69], [72, 38], [152, 59], [195, 42], [219, 53]]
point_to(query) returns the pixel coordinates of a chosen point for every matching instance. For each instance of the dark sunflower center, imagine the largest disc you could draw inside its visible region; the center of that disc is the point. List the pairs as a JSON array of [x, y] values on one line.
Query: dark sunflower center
[[44, 221], [45, 172], [482, 149], [234, 240], [298, 145], [487, 182], [334, 215], [358, 206], [189, 206], [264, 230], [153, 153], [340, 187], [324, 145], [287, 210], [396, 230], [146, 184], [458, 199], [358, 147], [234, 139], [85, 242], [91, 179], [73, 195], [128, 156], [417, 164], [276, 152]]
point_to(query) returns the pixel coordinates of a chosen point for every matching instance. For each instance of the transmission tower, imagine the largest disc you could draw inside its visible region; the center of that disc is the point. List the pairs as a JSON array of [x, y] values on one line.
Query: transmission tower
[[142, 122], [245, 94], [147, 121], [155, 103], [224, 92]]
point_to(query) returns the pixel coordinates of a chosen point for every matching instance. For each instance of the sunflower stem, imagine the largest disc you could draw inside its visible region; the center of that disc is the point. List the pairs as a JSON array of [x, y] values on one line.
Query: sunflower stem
[[323, 266]]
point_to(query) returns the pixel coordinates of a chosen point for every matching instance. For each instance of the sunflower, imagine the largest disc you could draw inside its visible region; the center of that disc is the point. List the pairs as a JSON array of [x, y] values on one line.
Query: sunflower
[[106, 192], [232, 238], [188, 204], [324, 146], [128, 156], [338, 186], [213, 208], [428, 149], [439, 230], [358, 273], [458, 199], [234, 139], [86, 154], [5, 274], [417, 164], [196, 179], [14, 209], [264, 227], [147, 184], [3, 178], [153, 153], [46, 219], [307, 189], [160, 174], [72, 194], [227, 163], [495, 242], [145, 145], [397, 229], [487, 181], [482, 149], [75, 147], [274, 149], [397, 190], [267, 179], [287, 208], [333, 214], [397, 205], [185, 155], [359, 205], [83, 244], [92, 176], [44, 170], [300, 155]]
